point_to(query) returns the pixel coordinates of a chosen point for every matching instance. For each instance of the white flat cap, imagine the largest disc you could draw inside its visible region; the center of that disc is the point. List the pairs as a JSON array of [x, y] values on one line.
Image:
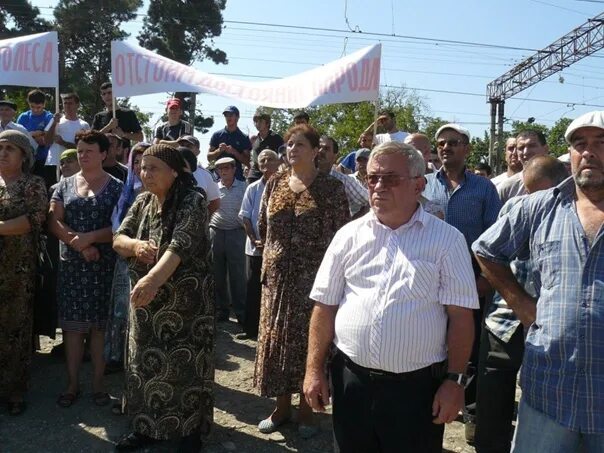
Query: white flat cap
[[455, 127], [224, 160], [591, 119]]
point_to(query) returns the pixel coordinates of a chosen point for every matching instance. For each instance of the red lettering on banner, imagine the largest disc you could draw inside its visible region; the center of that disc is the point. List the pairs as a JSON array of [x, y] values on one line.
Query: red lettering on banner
[[48, 58], [139, 79], [375, 74], [7, 57], [158, 72], [19, 58], [130, 56], [120, 71], [34, 52], [365, 84], [352, 77], [26, 56]]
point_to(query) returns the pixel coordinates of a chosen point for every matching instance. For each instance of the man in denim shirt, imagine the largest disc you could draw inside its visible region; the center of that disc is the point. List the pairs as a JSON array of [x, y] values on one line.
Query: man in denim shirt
[[470, 203], [560, 230]]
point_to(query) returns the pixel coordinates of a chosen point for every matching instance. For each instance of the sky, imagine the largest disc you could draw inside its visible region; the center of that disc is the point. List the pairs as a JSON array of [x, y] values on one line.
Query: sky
[[273, 44]]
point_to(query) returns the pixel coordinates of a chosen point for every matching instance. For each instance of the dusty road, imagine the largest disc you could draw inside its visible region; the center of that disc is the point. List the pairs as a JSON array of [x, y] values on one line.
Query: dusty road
[[46, 427]]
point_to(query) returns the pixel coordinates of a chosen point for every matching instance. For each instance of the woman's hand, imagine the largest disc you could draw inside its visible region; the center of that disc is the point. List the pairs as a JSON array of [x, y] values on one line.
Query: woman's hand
[[91, 254], [145, 252], [144, 291], [80, 241]]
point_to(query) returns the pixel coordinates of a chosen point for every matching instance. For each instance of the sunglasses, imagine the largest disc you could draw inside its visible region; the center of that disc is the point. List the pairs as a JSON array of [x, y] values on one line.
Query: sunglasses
[[387, 181], [451, 142]]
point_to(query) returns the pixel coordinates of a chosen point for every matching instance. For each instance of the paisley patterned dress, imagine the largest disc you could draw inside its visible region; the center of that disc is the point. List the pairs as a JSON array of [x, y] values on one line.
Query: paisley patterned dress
[[170, 363], [296, 229], [18, 261]]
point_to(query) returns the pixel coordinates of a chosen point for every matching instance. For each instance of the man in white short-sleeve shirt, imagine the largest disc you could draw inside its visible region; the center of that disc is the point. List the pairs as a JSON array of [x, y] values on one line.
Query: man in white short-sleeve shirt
[[395, 293], [62, 129]]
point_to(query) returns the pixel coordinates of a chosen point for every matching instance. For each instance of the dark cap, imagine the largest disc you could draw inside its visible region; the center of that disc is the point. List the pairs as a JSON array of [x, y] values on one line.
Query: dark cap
[[231, 109], [190, 139]]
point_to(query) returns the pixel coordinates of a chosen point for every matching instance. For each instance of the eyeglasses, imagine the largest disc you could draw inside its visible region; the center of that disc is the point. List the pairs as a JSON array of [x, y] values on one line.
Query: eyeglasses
[[451, 142], [388, 181]]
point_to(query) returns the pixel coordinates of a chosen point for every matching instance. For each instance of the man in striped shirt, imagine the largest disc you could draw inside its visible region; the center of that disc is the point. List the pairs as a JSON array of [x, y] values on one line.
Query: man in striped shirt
[[395, 293], [561, 230]]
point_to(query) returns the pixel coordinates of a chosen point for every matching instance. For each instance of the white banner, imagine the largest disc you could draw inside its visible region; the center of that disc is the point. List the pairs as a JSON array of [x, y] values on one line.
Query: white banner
[[31, 61], [354, 78]]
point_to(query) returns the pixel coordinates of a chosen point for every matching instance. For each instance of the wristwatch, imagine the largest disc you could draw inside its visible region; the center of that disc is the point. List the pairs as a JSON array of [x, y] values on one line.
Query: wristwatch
[[458, 378]]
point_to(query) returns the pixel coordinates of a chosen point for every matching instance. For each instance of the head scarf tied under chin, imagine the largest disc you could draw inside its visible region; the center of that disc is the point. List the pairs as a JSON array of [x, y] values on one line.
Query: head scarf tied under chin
[[183, 184]]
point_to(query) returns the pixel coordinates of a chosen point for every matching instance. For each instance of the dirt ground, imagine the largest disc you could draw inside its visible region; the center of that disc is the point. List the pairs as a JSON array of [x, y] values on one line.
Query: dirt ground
[[46, 427]]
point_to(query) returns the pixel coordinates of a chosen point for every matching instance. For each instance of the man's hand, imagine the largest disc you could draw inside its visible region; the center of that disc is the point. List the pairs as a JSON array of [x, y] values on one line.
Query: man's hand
[[448, 401], [529, 312], [111, 125], [316, 389], [80, 241], [38, 136]]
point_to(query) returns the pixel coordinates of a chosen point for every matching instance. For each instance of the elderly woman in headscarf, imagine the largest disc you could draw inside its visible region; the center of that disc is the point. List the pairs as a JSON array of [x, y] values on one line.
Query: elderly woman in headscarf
[[170, 369], [115, 333], [23, 206]]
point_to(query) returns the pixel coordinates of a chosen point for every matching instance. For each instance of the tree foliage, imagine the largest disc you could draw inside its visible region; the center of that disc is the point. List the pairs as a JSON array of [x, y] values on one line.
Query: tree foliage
[[184, 32], [19, 17], [346, 122], [86, 29]]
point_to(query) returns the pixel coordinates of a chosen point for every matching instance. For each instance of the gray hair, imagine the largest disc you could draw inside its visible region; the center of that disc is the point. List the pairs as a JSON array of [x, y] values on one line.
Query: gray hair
[[269, 152], [417, 165]]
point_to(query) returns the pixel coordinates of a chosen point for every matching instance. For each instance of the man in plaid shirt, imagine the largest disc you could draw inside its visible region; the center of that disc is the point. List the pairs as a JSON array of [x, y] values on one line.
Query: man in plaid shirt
[[561, 231]]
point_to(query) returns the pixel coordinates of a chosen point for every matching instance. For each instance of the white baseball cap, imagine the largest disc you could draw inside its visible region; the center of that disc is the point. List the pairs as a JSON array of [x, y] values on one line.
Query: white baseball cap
[[455, 127], [591, 119]]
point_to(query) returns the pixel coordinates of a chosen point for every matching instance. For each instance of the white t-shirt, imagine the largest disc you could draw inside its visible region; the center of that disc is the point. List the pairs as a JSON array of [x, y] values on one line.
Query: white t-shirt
[[398, 136], [67, 129], [206, 182]]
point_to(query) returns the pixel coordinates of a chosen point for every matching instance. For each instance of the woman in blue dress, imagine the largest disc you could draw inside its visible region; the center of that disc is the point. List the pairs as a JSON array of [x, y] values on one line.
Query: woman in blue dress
[[80, 217]]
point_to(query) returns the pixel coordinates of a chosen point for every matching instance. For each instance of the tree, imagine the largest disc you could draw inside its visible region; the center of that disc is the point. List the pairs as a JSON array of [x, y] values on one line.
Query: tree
[[19, 18], [86, 29], [183, 32], [555, 139], [346, 122]]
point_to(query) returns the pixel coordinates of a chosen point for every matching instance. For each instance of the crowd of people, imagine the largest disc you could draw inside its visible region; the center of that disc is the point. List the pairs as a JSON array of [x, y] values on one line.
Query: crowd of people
[[391, 281]]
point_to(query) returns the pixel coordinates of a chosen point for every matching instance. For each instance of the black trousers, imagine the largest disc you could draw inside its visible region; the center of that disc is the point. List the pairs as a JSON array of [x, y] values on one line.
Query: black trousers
[[376, 413], [496, 393], [469, 410], [253, 296]]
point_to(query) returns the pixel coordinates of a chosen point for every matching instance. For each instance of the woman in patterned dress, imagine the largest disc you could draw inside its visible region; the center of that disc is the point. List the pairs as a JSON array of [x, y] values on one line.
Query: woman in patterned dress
[[170, 368], [80, 217], [23, 206], [300, 212]]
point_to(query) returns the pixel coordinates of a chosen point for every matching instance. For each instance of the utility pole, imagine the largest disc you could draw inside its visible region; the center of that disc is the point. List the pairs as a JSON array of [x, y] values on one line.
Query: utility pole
[[572, 47]]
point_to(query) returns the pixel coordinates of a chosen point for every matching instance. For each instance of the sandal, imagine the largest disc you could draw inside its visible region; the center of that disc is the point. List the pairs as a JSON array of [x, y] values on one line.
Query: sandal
[[117, 409], [101, 398], [67, 399], [16, 407]]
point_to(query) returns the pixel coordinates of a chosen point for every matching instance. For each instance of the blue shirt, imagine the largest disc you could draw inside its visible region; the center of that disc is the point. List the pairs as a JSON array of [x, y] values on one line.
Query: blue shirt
[[563, 369], [237, 140], [36, 123], [471, 208]]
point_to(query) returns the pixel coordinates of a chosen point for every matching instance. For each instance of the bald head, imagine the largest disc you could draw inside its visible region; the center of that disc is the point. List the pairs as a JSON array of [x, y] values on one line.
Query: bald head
[[543, 172], [420, 142]]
